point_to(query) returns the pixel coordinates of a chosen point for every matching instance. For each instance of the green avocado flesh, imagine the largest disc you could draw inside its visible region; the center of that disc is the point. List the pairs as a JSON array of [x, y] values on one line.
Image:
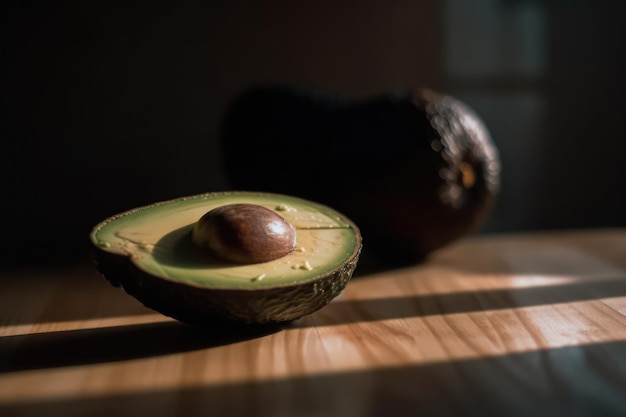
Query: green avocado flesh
[[149, 252]]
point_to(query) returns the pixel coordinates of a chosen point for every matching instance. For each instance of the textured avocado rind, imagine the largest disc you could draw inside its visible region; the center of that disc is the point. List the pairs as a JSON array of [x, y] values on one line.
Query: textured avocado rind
[[201, 306], [204, 306]]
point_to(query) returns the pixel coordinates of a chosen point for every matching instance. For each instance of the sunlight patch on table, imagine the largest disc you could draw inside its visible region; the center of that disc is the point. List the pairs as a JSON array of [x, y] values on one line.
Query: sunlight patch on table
[[327, 350], [68, 325]]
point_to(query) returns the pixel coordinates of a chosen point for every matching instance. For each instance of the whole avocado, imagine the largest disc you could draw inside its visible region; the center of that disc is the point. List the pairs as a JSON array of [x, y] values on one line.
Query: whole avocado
[[416, 169]]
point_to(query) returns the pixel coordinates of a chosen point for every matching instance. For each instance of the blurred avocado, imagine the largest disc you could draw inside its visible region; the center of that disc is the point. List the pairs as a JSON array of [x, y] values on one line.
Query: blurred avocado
[[415, 168]]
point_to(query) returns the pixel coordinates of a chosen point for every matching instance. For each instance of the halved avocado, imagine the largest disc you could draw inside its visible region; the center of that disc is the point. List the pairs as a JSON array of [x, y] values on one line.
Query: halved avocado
[[149, 251]]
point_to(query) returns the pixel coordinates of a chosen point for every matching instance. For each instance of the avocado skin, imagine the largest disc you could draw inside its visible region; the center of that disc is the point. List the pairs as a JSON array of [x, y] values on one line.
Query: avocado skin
[[206, 307], [372, 159]]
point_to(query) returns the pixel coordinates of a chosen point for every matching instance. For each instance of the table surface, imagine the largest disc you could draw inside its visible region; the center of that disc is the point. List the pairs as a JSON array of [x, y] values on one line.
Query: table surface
[[497, 325]]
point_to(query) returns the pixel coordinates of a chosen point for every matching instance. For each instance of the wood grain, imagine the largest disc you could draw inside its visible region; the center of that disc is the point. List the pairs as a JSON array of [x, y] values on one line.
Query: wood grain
[[502, 325]]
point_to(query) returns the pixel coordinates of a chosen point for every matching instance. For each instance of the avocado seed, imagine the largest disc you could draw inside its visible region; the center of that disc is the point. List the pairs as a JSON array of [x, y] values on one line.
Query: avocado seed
[[244, 233]]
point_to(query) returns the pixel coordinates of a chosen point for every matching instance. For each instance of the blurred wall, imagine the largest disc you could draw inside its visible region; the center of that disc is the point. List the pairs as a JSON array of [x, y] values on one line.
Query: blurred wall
[[548, 79], [117, 104]]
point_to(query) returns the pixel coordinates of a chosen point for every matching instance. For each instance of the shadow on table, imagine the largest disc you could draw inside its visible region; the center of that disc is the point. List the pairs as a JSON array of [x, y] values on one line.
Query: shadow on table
[[571, 381], [351, 311], [89, 346], [80, 347]]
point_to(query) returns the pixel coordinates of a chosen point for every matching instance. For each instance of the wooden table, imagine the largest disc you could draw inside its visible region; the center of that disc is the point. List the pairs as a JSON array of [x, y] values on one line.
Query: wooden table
[[506, 325]]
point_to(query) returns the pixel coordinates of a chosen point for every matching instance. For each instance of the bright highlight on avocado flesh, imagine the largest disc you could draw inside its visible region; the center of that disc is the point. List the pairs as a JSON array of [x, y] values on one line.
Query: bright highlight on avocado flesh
[[149, 252]]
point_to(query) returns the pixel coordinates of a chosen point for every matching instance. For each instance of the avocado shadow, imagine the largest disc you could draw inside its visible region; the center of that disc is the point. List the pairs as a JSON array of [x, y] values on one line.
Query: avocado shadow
[[111, 344]]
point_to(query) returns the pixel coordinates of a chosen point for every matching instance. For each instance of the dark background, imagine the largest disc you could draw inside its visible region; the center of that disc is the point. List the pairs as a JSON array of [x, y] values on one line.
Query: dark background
[[111, 105]]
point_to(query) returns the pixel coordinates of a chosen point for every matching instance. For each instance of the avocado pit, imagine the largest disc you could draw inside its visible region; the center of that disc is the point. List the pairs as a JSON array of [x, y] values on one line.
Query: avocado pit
[[244, 233]]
